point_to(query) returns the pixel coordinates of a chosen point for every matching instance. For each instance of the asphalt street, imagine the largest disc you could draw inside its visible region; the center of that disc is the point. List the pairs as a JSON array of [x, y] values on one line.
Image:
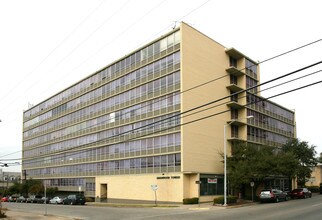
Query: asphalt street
[[308, 209]]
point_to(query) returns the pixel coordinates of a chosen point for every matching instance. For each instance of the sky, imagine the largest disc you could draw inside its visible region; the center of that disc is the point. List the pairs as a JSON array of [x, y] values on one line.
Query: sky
[[48, 45]]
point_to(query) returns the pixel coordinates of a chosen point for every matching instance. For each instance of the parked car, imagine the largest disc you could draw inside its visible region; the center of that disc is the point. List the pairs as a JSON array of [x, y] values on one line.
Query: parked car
[[300, 193], [44, 200], [74, 199], [21, 199], [13, 198], [56, 200], [29, 199], [4, 199], [34, 199], [273, 195]]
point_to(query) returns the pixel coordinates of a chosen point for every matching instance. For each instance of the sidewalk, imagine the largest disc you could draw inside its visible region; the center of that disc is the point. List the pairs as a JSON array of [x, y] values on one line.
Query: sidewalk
[[207, 205], [16, 215]]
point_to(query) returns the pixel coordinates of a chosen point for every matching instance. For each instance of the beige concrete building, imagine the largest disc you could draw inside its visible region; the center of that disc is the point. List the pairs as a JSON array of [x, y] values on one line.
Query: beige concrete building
[[136, 123], [7, 179], [316, 176]]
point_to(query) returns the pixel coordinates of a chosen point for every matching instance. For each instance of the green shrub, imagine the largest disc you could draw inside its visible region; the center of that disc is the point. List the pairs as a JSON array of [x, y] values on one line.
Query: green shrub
[[2, 213], [194, 200], [249, 197], [314, 189], [230, 199], [89, 199]]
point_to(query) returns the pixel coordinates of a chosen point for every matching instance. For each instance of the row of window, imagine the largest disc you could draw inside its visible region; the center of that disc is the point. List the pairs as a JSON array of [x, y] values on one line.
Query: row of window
[[112, 135], [157, 85], [99, 153], [271, 122], [111, 71], [135, 76], [66, 182], [250, 82], [166, 101], [170, 160], [104, 120], [167, 81], [140, 109], [260, 135], [251, 68], [10, 178], [123, 81], [269, 106]]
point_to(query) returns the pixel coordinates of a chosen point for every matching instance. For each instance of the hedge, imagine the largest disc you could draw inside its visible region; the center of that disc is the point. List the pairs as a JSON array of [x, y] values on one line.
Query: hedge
[[314, 189], [187, 201], [230, 199]]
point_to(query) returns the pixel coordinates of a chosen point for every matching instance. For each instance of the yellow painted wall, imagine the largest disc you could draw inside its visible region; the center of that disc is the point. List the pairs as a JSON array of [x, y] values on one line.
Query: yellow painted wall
[[202, 60], [138, 187], [316, 176]]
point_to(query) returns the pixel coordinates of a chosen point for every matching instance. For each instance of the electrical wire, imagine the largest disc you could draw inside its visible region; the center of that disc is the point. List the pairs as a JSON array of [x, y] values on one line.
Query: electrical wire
[[53, 50], [208, 116], [285, 75], [223, 76]]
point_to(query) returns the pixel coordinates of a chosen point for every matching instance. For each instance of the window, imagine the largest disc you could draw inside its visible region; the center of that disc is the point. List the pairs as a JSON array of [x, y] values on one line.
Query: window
[[234, 113], [251, 68], [233, 62], [234, 131], [233, 79], [233, 97], [211, 185]]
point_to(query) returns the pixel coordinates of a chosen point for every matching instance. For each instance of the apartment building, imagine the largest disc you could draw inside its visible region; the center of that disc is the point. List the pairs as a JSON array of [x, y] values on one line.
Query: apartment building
[[7, 179], [137, 125]]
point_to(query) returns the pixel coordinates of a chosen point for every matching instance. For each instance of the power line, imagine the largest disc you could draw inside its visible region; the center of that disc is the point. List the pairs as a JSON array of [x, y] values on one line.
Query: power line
[[130, 26], [223, 76], [193, 109], [73, 50], [275, 57], [53, 50], [193, 121]]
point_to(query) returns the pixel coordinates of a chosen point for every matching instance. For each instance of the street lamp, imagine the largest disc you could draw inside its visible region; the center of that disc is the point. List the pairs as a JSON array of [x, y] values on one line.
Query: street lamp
[[225, 156]]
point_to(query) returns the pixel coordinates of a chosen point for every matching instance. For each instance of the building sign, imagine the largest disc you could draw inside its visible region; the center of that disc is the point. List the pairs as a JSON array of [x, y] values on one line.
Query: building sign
[[212, 180]]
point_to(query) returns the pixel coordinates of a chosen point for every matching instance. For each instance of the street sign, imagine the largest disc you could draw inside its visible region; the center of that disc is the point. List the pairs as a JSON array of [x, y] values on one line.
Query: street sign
[[154, 187], [198, 182], [252, 184]]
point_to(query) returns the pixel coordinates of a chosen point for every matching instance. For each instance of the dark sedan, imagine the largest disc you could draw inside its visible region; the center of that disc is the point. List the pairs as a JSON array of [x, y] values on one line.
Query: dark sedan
[[300, 193], [43, 200], [74, 200], [272, 195]]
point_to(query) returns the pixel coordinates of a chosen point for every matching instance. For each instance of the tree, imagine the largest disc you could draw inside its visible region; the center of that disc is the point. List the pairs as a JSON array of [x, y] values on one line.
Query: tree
[[304, 156], [27, 184], [32, 186], [51, 191], [251, 162], [14, 189], [247, 163]]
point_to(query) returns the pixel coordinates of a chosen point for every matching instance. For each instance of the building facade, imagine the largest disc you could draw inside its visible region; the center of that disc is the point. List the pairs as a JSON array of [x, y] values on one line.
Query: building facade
[[7, 179], [316, 176], [147, 119]]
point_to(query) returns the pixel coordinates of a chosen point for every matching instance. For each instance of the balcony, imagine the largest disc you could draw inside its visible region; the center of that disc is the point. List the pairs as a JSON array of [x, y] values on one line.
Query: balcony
[[237, 122], [234, 53], [234, 88], [234, 71], [236, 139], [234, 104]]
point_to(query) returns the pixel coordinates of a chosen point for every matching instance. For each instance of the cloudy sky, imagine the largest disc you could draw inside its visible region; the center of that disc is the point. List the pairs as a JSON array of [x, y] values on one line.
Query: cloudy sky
[[47, 45]]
